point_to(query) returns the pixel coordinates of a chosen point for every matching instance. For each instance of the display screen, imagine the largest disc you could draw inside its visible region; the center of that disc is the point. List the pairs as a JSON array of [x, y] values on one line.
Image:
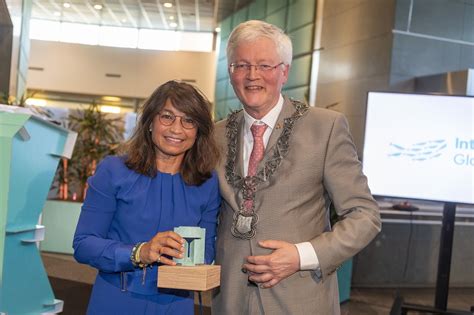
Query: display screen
[[420, 146]]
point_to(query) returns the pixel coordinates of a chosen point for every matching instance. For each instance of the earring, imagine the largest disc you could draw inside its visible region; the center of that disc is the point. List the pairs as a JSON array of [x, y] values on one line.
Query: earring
[[150, 130]]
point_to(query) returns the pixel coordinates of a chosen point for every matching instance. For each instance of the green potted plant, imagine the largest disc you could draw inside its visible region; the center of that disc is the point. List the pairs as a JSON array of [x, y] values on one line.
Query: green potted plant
[[98, 136], [12, 100]]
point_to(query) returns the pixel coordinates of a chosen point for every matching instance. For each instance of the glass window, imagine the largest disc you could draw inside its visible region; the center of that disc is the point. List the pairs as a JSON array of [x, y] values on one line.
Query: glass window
[[193, 41], [157, 39], [118, 36], [79, 33], [45, 30]]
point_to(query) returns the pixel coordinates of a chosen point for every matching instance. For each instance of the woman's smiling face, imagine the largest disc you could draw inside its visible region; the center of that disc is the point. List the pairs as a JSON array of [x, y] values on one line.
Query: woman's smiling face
[[173, 140]]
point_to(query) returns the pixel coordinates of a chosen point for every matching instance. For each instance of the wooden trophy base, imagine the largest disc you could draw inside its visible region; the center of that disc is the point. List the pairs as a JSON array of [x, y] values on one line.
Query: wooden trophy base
[[195, 278]]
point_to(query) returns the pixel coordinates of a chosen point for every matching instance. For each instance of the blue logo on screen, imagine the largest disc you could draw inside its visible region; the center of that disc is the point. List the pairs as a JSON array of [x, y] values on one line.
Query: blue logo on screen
[[420, 151]]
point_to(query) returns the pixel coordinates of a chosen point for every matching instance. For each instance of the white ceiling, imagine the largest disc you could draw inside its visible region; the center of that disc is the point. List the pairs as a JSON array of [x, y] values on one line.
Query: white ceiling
[[189, 15]]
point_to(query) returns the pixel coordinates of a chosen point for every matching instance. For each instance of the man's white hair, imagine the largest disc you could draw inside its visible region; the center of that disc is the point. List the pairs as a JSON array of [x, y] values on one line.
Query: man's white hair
[[252, 30]]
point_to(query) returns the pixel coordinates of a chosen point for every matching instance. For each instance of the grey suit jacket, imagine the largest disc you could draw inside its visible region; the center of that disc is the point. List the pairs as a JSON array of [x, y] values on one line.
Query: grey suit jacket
[[292, 206]]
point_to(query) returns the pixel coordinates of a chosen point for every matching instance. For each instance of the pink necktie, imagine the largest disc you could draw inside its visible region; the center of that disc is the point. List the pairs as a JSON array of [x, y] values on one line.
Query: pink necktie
[[255, 157], [258, 148]]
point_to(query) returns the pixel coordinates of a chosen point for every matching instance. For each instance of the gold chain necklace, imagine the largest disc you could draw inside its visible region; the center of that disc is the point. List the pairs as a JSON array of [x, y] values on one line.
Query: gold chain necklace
[[244, 222]]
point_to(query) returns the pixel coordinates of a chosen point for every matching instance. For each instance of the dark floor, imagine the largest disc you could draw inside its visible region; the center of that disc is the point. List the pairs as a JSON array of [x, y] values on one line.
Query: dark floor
[[71, 283], [74, 294], [363, 301], [378, 301]]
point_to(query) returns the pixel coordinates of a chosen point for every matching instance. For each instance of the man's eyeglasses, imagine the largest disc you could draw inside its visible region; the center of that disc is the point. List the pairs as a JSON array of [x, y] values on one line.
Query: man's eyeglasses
[[245, 67], [167, 119]]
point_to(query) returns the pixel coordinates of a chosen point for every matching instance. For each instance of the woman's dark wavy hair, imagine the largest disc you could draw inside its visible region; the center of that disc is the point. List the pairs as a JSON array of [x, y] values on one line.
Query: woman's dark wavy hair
[[200, 159]]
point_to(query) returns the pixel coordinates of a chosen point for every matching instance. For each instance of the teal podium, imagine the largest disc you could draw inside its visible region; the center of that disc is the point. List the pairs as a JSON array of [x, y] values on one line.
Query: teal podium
[[344, 277], [30, 150]]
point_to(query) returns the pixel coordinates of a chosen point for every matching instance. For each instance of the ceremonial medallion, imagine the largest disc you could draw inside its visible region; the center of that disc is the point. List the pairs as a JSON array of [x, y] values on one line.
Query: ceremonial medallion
[[243, 225], [245, 219]]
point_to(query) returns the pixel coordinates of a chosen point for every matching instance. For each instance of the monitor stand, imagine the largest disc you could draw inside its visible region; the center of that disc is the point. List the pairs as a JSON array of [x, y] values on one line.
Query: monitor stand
[[442, 279]]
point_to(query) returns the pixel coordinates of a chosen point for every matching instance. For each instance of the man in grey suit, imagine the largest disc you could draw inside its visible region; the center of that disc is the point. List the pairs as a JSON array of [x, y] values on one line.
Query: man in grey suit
[[284, 163]]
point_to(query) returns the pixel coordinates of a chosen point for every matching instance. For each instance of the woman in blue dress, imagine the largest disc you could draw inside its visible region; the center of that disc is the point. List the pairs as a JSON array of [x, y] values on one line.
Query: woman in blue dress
[[164, 179]]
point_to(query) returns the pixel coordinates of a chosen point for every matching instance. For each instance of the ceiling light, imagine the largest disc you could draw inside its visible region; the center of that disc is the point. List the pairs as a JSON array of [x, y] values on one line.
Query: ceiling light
[[171, 17], [110, 109], [111, 98], [168, 5], [98, 6], [36, 102], [218, 29], [124, 20], [173, 24], [57, 13], [66, 5]]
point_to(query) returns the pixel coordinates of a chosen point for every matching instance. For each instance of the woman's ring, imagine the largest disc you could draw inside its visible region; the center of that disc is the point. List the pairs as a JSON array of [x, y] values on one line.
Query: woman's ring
[[159, 259]]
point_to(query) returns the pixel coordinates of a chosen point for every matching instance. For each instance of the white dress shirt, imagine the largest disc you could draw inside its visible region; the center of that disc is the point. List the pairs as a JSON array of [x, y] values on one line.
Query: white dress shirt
[[308, 258]]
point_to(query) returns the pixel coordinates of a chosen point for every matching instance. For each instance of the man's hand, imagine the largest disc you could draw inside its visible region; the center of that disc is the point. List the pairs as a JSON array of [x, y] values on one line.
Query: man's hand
[[269, 270]]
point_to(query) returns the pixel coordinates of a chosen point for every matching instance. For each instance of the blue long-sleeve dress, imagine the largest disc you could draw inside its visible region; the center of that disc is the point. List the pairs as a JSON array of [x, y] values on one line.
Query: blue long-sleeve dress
[[123, 208]]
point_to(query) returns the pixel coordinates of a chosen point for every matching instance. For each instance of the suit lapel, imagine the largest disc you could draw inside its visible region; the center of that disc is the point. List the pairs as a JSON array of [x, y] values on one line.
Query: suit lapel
[[239, 167], [286, 111]]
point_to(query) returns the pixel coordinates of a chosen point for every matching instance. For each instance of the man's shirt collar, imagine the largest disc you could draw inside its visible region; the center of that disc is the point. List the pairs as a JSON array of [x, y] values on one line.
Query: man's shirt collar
[[269, 119]]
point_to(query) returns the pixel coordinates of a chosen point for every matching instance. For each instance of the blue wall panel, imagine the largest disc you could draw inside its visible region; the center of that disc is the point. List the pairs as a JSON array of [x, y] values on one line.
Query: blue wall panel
[[278, 18], [240, 16], [300, 72], [257, 10], [300, 13], [274, 5], [302, 40]]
